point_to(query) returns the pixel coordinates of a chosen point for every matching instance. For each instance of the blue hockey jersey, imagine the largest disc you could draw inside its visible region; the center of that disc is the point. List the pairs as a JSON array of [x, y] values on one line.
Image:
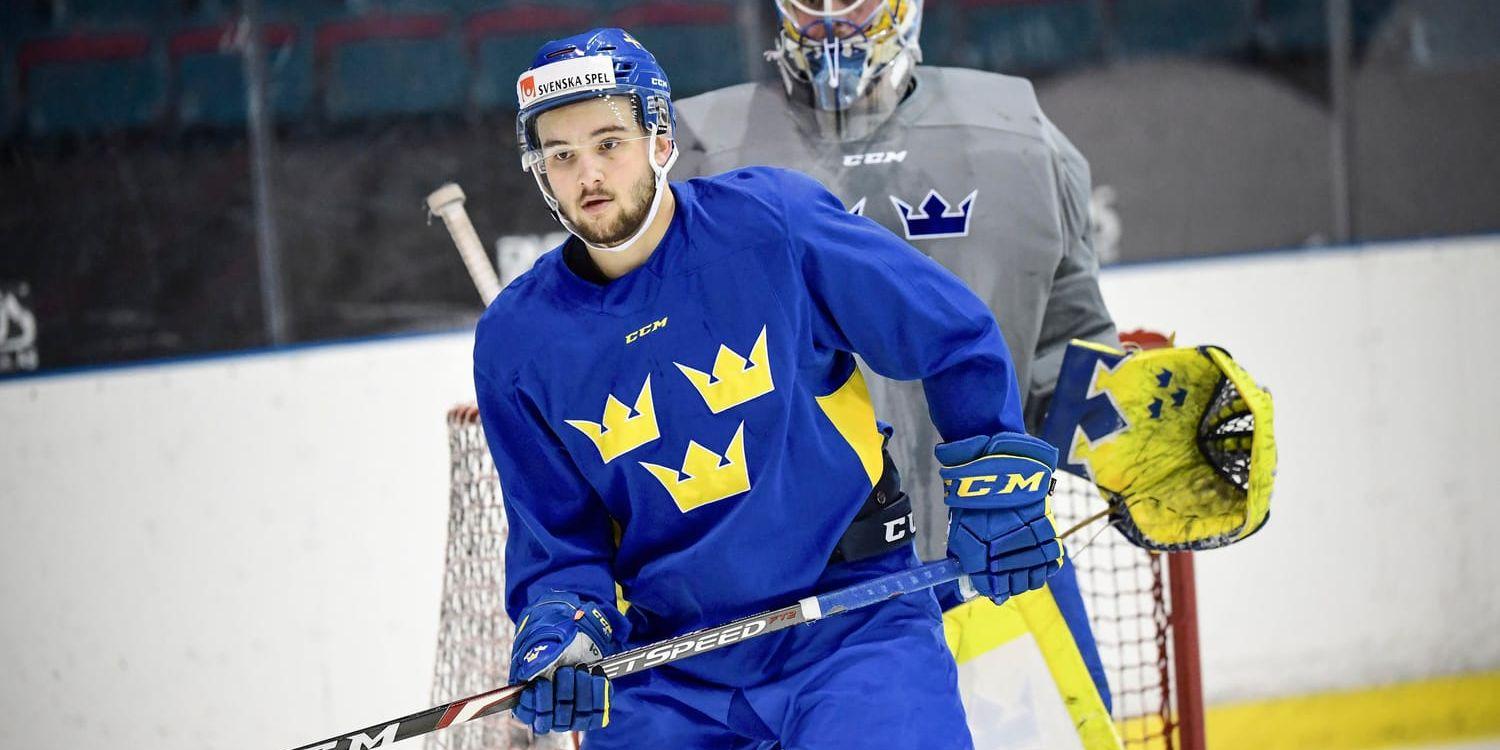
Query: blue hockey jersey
[[698, 430]]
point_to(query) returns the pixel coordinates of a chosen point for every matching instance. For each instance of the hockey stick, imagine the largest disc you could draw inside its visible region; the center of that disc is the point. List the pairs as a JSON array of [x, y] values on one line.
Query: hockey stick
[[447, 202], [806, 610], [809, 609]]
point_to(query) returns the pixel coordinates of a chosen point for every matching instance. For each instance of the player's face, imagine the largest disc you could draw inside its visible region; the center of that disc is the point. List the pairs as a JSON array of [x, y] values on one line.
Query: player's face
[[845, 17], [596, 162]]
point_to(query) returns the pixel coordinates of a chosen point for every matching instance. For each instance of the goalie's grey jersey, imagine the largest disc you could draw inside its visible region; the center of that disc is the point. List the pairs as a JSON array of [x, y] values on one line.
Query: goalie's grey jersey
[[969, 171]]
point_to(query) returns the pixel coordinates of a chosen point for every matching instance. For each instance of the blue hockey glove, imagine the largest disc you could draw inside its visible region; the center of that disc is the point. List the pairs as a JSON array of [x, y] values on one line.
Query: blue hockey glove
[[1000, 528], [554, 635]]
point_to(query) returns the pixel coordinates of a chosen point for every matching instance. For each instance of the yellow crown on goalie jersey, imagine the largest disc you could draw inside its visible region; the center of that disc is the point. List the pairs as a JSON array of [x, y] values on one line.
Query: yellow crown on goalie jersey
[[735, 380], [620, 433], [706, 477]]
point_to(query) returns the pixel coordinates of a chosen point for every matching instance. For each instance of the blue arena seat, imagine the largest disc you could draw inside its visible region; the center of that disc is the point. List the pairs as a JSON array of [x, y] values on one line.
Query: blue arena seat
[[941, 44], [1028, 36], [420, 6], [20, 20], [116, 12], [1301, 27], [90, 82], [502, 42], [1150, 27], [1292, 26], [210, 74], [697, 43], [294, 11], [384, 64]]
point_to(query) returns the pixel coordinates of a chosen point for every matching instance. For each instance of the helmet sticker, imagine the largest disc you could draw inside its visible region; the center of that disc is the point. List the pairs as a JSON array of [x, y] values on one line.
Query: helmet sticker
[[591, 73]]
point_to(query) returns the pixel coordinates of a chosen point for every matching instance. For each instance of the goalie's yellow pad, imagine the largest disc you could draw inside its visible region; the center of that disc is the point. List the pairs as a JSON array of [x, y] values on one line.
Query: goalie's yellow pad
[[1179, 440]]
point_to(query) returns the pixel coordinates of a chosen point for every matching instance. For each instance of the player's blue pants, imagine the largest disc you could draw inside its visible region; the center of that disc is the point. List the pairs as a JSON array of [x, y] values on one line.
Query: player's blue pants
[[877, 678]]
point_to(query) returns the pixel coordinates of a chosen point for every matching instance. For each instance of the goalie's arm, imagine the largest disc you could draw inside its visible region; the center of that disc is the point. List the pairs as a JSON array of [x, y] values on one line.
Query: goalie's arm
[[1075, 307]]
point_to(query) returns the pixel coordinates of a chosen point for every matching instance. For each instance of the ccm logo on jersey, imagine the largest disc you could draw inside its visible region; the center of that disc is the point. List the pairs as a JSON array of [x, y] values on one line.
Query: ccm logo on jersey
[[657, 325], [878, 157], [989, 484]]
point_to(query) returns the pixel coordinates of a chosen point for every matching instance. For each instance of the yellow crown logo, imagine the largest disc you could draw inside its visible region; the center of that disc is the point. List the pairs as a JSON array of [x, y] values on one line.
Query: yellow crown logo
[[735, 380], [621, 432], [708, 477]]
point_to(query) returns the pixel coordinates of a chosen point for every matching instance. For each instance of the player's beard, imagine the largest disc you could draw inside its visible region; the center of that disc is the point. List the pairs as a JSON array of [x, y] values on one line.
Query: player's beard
[[632, 212]]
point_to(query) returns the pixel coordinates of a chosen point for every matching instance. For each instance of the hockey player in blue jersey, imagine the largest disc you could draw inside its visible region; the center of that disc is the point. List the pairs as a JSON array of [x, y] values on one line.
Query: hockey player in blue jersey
[[674, 408]]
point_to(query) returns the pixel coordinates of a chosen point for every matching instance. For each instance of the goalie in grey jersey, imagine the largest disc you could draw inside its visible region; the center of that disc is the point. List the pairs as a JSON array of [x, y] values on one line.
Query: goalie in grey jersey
[[965, 166]]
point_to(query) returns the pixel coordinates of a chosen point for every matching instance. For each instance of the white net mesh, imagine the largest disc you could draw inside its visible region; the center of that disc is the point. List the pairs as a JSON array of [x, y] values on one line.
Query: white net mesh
[[474, 633], [1124, 588]]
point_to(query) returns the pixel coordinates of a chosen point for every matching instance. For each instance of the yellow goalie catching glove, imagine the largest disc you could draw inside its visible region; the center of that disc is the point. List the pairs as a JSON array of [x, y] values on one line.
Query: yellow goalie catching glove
[[1179, 441]]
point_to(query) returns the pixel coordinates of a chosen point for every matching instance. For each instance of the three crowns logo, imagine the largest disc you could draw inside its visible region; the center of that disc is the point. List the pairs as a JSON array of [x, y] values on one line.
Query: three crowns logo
[[935, 217], [621, 431], [706, 477], [734, 380]]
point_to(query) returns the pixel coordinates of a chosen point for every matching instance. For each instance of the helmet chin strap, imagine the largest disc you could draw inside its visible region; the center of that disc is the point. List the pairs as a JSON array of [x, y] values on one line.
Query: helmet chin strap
[[660, 172]]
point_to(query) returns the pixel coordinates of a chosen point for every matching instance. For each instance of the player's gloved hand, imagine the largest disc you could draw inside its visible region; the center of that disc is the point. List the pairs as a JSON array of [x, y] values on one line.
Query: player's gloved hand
[[1000, 528], [556, 634]]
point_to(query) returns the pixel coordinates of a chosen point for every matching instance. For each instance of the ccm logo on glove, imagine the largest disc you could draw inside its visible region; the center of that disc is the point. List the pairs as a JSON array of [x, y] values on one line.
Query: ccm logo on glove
[[988, 484]]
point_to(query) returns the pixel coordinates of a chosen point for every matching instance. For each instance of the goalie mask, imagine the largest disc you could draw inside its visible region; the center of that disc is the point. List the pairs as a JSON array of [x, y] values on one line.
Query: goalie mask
[[852, 58], [629, 103], [1179, 440]]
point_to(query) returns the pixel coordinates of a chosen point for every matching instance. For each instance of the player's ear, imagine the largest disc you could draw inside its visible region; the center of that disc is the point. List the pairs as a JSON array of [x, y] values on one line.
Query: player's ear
[[665, 143]]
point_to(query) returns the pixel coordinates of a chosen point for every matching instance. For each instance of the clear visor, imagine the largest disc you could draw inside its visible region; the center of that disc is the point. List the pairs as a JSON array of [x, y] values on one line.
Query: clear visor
[[577, 143], [563, 159]]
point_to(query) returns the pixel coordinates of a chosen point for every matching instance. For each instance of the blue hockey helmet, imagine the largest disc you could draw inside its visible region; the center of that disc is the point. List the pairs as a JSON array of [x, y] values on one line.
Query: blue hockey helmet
[[596, 63], [604, 64]]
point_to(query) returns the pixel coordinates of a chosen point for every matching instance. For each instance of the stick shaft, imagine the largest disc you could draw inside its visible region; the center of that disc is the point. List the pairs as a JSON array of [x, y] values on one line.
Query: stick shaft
[[646, 657], [809, 609]]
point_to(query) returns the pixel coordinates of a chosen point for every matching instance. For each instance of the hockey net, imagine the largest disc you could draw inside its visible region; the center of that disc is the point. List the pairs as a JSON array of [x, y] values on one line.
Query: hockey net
[[1148, 647], [1142, 609]]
